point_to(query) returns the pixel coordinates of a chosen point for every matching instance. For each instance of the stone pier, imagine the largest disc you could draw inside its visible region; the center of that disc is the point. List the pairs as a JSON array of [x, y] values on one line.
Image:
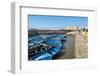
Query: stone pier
[[81, 45]]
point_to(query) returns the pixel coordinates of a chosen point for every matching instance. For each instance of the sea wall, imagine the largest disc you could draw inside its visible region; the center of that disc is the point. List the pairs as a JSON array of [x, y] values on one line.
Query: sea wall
[[81, 45]]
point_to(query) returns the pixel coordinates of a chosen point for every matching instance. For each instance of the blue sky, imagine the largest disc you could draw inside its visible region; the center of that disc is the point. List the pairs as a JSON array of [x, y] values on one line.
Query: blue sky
[[55, 22]]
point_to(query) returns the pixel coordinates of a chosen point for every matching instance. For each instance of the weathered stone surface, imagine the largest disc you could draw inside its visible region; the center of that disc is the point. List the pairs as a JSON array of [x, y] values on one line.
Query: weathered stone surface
[[81, 46]]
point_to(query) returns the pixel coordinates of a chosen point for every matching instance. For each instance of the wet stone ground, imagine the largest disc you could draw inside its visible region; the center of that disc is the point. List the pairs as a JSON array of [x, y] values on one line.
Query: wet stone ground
[[68, 51]]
